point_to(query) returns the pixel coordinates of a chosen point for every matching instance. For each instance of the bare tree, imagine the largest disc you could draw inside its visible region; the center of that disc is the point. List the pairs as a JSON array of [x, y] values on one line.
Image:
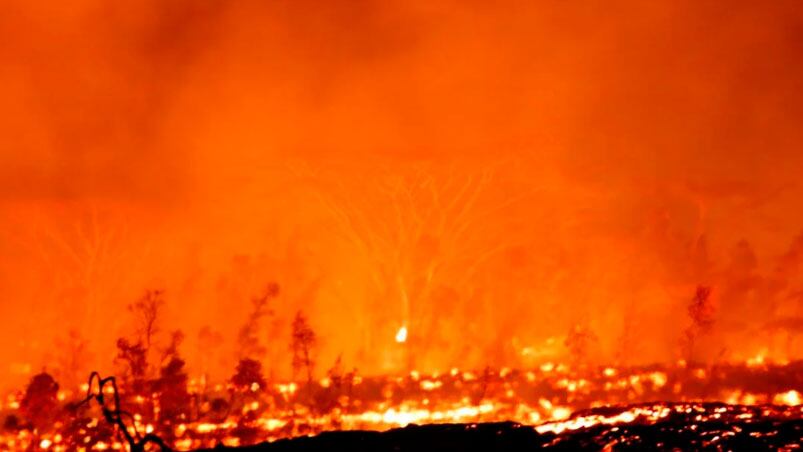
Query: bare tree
[[146, 312], [417, 231], [107, 395], [248, 337], [81, 255], [302, 342]]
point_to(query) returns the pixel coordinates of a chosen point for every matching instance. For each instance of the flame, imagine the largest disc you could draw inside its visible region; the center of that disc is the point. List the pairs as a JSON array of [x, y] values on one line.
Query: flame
[[434, 210], [790, 398], [553, 398], [363, 180], [401, 335]]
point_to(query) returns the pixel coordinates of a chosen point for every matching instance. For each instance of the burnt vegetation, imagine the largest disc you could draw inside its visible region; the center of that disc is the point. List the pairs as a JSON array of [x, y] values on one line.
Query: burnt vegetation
[[153, 400], [701, 320], [155, 385], [301, 346]]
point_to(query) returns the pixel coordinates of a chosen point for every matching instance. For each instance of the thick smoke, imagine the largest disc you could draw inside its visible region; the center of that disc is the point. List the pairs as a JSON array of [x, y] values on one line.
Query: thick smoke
[[492, 176]]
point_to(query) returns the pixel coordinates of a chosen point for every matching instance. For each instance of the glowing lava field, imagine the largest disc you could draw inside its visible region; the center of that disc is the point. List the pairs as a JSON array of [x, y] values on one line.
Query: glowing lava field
[[680, 405]]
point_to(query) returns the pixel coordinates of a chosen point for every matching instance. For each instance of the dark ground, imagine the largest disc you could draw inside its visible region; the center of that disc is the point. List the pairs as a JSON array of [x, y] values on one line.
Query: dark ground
[[708, 427]]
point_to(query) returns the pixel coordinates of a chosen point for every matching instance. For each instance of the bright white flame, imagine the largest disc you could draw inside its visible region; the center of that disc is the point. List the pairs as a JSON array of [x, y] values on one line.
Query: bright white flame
[[401, 335], [791, 398]]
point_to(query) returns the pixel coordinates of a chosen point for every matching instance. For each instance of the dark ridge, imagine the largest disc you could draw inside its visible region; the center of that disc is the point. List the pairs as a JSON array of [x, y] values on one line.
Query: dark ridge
[[713, 426], [442, 437]]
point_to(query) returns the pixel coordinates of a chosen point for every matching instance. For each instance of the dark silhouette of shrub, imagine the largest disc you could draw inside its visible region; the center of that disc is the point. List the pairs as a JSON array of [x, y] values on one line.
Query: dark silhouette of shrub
[[174, 398], [134, 356], [248, 373], [146, 312], [40, 405]]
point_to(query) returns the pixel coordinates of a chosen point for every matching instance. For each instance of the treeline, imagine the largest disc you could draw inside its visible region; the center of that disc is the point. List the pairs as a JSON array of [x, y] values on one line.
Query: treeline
[[154, 387]]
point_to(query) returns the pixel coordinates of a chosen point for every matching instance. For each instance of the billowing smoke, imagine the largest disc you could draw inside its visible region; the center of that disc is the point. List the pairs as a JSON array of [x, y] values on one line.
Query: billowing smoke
[[490, 177]]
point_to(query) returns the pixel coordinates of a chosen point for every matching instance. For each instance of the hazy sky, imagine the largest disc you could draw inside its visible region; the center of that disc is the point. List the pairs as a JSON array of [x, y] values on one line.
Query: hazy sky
[[598, 158]]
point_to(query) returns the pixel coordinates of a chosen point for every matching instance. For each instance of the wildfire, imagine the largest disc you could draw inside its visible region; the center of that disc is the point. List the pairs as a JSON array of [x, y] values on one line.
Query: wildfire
[[545, 397]]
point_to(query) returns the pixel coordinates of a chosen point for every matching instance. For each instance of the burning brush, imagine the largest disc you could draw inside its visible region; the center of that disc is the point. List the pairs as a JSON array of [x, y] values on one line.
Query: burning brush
[[686, 404], [551, 406]]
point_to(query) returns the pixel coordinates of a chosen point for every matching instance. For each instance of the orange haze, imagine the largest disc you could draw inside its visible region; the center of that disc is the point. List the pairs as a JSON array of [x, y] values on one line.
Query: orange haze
[[485, 176]]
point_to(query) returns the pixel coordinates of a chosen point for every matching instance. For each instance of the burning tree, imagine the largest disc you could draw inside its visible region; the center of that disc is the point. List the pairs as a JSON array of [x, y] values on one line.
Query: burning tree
[[134, 356], [701, 314], [302, 342], [249, 374], [249, 384], [174, 397], [40, 404], [337, 391], [146, 312], [248, 338]]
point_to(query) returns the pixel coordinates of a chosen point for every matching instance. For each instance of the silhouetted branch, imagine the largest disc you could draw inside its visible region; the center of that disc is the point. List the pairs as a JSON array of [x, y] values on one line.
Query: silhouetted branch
[[115, 415]]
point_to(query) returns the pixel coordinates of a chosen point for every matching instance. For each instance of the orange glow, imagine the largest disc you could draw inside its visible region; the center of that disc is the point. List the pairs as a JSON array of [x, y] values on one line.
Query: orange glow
[[552, 401], [440, 190], [495, 173]]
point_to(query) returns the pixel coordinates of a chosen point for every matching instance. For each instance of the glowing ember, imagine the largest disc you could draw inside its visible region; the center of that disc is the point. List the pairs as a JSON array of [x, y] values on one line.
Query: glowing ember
[[545, 396], [401, 335], [791, 398]]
